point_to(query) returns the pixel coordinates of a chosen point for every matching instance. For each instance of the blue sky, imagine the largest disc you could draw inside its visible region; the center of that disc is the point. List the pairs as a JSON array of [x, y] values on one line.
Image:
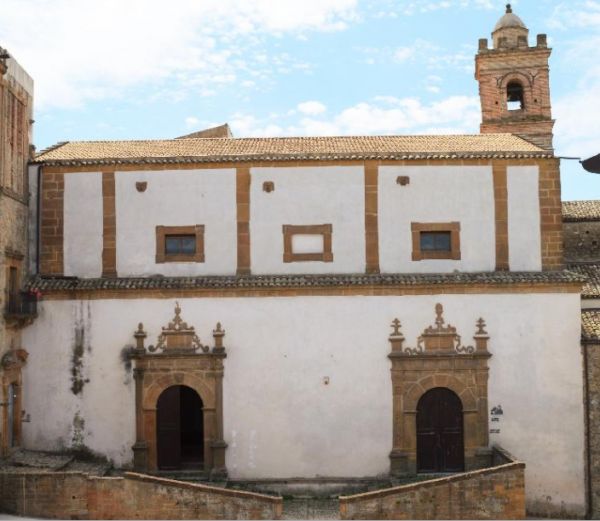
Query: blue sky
[[143, 69]]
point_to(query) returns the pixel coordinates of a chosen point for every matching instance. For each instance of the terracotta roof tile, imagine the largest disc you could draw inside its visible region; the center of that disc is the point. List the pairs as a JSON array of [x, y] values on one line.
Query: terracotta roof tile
[[302, 281], [590, 325], [291, 148], [574, 211], [591, 289]]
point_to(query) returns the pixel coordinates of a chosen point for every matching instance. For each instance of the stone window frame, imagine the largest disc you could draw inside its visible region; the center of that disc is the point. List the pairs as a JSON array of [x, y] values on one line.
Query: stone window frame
[[452, 227], [196, 230], [289, 230]]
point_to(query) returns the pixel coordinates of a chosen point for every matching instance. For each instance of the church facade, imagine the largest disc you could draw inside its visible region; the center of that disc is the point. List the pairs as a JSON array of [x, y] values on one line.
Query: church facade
[[316, 307]]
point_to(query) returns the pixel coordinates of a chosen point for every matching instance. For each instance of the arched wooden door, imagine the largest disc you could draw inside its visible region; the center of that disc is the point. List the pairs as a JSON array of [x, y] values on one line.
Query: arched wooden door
[[179, 429], [440, 446]]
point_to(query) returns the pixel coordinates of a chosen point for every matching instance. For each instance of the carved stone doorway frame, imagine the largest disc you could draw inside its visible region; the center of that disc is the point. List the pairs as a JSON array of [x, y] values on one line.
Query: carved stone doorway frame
[[439, 360], [183, 360], [11, 377]]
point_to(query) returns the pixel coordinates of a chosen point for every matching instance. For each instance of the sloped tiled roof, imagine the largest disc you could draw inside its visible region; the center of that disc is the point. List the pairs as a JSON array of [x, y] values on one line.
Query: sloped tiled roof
[[78, 153], [591, 289], [575, 211], [302, 281], [590, 325]]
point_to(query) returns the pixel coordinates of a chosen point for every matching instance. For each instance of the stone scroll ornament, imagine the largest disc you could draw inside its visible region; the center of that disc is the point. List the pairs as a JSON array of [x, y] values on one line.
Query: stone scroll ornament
[[438, 338], [178, 336]]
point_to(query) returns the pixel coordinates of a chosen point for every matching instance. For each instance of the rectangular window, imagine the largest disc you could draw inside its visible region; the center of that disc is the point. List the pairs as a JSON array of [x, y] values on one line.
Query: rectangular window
[[307, 243], [180, 243], [13, 290], [183, 244], [435, 241]]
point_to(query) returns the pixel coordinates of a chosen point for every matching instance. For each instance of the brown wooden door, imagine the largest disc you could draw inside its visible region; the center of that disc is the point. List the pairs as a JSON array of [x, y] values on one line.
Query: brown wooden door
[[440, 432], [168, 429]]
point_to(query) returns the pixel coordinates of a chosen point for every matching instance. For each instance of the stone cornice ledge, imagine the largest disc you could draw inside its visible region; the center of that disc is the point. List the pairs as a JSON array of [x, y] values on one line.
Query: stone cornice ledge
[[342, 284]]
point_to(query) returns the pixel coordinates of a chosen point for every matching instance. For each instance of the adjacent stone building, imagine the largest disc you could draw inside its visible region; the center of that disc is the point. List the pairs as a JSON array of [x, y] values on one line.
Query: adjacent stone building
[[582, 252], [16, 106]]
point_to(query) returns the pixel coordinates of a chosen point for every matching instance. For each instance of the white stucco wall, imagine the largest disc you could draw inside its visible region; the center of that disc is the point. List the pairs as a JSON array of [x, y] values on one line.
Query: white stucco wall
[[524, 232], [176, 198], [83, 226], [303, 196], [280, 420], [436, 194]]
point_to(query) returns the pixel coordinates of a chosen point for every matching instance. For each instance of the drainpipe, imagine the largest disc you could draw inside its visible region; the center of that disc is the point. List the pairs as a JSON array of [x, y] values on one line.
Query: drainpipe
[[586, 402], [38, 219]]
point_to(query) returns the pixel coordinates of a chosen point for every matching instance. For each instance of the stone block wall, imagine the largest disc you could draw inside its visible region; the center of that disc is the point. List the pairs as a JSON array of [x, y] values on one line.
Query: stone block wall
[[592, 354], [73, 495], [494, 493], [582, 241]]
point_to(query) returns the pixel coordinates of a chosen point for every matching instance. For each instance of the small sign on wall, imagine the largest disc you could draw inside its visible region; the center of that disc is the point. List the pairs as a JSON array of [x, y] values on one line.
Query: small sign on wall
[[496, 414]]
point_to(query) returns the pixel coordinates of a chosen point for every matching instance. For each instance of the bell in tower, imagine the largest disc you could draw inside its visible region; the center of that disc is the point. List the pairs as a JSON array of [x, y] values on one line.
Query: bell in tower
[[514, 83]]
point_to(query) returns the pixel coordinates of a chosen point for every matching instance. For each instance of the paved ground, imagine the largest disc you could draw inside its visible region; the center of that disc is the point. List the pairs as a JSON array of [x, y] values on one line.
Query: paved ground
[[38, 461]]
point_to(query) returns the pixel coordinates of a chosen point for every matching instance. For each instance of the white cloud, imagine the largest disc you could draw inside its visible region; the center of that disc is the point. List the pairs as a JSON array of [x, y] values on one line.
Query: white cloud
[[79, 51], [575, 14], [311, 108], [381, 115], [191, 121], [388, 8], [577, 129], [425, 53]]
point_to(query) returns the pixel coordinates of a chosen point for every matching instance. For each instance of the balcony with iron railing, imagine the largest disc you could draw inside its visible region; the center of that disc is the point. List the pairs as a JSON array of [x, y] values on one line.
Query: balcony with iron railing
[[21, 309]]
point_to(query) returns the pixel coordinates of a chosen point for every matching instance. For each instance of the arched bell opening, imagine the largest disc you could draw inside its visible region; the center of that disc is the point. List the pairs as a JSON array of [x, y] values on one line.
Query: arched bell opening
[[179, 429], [515, 96], [440, 443]]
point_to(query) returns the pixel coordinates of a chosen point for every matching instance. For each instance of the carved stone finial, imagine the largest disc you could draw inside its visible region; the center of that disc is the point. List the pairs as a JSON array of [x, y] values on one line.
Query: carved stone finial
[[481, 327], [140, 335], [218, 335], [439, 311], [3, 57], [508, 8], [481, 337], [396, 338], [396, 325]]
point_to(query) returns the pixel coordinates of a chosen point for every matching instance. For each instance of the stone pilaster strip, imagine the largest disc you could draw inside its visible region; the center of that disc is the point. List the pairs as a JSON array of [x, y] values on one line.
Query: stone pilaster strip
[[52, 223], [242, 199], [551, 214], [109, 226], [371, 217], [501, 214]]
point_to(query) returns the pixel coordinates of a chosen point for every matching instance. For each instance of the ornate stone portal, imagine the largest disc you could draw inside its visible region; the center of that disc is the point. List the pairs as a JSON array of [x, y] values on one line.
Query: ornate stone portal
[[439, 360], [11, 366], [182, 360]]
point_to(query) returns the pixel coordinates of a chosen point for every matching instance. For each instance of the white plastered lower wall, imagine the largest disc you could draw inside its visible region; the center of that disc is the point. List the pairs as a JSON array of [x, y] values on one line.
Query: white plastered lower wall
[[280, 419]]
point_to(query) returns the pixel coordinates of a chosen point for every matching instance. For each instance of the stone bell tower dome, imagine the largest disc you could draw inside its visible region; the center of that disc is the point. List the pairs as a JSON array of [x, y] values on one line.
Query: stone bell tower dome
[[514, 83]]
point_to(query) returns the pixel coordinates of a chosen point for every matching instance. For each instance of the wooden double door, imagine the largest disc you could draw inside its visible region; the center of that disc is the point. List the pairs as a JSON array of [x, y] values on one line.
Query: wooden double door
[[440, 445], [179, 429]]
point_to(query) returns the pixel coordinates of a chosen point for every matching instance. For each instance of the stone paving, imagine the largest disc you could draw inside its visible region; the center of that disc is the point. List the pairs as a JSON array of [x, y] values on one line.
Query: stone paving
[[39, 461]]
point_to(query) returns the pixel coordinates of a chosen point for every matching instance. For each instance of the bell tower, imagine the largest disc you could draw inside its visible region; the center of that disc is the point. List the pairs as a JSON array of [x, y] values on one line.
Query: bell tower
[[514, 83]]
